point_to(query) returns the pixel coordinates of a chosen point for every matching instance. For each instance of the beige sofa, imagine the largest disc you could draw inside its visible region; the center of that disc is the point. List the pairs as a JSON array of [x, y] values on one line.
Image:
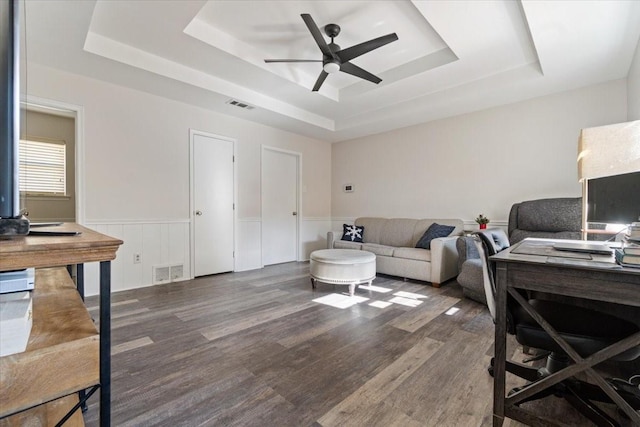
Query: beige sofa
[[393, 240]]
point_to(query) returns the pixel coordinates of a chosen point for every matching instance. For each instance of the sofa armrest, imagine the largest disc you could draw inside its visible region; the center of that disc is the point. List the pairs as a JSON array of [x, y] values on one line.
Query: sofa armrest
[[444, 259], [332, 236]]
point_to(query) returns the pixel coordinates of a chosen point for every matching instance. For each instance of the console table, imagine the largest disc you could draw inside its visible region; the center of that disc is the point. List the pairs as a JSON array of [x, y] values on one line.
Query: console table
[[65, 354], [589, 281]]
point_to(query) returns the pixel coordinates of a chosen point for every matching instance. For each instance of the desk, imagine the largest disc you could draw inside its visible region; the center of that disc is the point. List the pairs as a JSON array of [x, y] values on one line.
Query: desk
[[599, 279]]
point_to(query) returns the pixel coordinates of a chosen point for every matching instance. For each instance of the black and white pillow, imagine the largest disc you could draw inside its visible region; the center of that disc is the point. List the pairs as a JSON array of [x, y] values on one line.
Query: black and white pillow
[[434, 231], [352, 233]]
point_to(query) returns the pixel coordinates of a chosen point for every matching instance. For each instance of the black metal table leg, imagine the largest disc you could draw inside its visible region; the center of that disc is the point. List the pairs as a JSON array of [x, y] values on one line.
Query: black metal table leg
[[105, 343], [80, 279], [80, 287]]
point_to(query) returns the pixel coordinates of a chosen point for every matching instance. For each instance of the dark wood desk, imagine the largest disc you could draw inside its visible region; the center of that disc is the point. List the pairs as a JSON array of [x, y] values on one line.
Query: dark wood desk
[[598, 279]]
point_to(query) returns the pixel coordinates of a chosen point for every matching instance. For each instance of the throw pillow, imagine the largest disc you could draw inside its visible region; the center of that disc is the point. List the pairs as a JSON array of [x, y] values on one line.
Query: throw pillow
[[434, 230], [352, 233]]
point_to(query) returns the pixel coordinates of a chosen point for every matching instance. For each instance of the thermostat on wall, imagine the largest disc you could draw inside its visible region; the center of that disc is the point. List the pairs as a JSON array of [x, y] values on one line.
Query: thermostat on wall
[[348, 188]]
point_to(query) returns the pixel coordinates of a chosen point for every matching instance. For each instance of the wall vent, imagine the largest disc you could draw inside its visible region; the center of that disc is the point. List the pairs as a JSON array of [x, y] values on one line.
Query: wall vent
[[167, 273], [176, 272], [240, 104], [161, 274]]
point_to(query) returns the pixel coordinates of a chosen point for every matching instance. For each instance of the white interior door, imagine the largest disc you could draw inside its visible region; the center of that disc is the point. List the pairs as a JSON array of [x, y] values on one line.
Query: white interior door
[[279, 206], [213, 205]]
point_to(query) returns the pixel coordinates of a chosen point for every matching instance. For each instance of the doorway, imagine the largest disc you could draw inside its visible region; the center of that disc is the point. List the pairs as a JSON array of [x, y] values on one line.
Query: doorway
[[280, 205], [47, 167], [212, 204], [68, 207]]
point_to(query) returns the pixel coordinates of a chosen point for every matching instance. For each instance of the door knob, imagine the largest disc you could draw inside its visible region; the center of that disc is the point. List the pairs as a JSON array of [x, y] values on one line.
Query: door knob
[[294, 213], [199, 213]]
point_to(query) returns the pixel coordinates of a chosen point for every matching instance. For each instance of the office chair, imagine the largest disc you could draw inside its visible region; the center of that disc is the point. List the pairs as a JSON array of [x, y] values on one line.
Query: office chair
[[587, 331]]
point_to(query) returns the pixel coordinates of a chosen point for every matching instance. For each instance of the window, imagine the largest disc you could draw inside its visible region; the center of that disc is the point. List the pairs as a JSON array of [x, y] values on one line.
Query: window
[[42, 167]]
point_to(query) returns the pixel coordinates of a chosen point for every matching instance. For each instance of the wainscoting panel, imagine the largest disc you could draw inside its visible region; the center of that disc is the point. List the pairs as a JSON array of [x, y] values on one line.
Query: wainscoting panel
[[471, 225], [313, 235], [159, 243], [166, 244]]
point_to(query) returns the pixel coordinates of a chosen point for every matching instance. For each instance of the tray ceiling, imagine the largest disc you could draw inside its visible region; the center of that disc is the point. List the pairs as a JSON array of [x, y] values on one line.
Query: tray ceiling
[[451, 58]]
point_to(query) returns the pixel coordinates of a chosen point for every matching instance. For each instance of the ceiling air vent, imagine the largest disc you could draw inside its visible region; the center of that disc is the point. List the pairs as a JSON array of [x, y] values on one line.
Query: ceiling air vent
[[240, 104]]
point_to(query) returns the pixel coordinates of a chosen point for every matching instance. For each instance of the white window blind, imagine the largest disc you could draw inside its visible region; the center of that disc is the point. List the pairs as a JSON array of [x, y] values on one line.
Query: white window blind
[[43, 167]]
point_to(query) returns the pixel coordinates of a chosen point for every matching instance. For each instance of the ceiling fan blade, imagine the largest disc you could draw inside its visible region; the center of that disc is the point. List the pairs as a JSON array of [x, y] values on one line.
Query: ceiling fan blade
[[354, 51], [354, 70], [292, 60], [323, 75], [317, 35]]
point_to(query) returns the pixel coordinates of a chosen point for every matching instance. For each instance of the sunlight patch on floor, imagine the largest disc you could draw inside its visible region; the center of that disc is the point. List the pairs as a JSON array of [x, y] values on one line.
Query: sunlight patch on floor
[[343, 300], [411, 295], [380, 304], [376, 289], [409, 302], [340, 300]]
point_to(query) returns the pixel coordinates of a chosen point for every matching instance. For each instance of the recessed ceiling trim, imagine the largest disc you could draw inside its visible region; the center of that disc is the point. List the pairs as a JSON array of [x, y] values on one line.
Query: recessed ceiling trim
[[500, 46], [204, 32], [428, 62], [116, 51]]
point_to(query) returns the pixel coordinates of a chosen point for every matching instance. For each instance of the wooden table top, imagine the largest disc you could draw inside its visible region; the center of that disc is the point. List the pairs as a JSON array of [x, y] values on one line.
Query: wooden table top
[[47, 251]]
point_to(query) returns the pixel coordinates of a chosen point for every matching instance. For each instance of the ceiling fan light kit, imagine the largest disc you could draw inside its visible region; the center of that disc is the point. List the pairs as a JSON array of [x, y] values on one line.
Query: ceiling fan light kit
[[331, 67], [335, 59]]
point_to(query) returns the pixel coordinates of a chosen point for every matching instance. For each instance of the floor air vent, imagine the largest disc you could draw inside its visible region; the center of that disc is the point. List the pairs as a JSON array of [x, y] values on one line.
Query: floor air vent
[[240, 104]]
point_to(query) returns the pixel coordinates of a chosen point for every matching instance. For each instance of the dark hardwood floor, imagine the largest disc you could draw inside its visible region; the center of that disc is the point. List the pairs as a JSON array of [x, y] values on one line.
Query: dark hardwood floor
[[254, 349]]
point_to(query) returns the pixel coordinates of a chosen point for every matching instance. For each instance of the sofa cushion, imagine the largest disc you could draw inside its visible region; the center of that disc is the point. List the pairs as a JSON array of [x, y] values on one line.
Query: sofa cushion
[[398, 232], [344, 244], [412, 253], [352, 233], [381, 250], [434, 231], [374, 227]]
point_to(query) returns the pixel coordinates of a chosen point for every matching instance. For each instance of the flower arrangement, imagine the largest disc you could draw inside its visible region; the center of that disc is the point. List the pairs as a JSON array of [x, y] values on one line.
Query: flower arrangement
[[482, 220]]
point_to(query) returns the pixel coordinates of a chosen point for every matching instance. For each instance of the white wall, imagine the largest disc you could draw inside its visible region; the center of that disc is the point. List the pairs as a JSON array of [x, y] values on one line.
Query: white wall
[[137, 166], [481, 162], [633, 87], [137, 172]]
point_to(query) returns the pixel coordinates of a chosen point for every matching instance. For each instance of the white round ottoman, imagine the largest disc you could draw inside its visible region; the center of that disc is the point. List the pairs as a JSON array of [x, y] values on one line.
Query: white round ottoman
[[342, 267]]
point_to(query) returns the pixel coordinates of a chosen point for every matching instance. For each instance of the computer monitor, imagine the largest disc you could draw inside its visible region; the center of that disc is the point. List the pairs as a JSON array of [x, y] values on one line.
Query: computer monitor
[[10, 220], [614, 199]]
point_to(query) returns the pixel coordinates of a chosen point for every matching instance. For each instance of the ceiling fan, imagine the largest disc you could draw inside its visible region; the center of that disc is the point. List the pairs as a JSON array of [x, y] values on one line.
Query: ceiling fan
[[335, 59]]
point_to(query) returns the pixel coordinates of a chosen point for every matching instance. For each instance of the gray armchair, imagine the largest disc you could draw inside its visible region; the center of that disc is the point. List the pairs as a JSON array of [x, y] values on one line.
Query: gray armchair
[[470, 264], [559, 218]]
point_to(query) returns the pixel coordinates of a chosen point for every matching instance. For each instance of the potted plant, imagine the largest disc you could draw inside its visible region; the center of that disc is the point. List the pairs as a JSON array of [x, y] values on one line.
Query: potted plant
[[483, 221]]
